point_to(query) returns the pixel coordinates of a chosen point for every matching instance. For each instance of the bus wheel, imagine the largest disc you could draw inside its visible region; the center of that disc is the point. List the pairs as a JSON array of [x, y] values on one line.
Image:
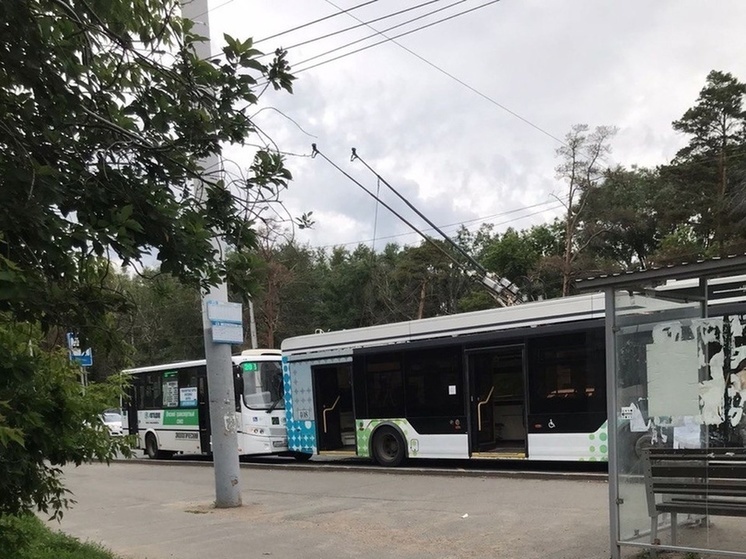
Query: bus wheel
[[151, 446], [388, 447], [152, 450]]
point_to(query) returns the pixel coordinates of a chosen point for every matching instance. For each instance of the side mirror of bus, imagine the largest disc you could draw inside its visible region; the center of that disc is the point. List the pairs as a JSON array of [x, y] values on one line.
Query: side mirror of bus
[[238, 389]]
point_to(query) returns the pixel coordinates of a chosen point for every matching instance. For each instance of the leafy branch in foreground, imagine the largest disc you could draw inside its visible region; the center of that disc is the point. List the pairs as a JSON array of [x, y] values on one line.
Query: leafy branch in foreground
[[106, 113]]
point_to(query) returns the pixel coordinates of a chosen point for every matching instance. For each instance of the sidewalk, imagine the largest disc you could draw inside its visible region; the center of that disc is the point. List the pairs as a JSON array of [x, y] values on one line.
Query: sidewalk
[[146, 511]]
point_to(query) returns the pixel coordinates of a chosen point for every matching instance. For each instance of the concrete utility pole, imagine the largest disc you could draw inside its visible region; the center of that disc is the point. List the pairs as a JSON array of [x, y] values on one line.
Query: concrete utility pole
[[218, 356], [252, 325]]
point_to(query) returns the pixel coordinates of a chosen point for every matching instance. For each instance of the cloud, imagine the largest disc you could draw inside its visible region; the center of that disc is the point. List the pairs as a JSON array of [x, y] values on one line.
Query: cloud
[[442, 130]]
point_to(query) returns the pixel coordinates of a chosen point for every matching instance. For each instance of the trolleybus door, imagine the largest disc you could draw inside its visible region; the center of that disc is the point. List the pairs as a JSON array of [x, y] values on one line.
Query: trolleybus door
[[328, 397], [497, 400], [481, 393]]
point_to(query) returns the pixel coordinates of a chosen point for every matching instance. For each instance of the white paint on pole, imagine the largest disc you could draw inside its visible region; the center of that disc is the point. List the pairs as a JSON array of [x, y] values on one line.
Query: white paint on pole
[[218, 356]]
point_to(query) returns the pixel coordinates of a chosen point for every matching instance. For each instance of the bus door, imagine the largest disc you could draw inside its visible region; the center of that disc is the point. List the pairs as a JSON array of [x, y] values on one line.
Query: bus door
[[497, 401], [132, 404], [203, 413], [335, 424]]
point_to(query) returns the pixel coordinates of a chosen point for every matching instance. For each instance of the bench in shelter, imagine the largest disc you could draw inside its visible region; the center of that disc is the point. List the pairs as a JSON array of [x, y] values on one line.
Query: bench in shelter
[[708, 482]]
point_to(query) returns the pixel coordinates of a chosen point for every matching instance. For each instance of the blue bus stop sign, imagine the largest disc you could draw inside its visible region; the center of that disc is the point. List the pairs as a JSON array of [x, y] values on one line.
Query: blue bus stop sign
[[82, 358]]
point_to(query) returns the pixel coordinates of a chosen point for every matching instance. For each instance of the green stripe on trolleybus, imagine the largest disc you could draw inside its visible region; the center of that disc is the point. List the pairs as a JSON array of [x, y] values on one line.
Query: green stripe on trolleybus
[[180, 417]]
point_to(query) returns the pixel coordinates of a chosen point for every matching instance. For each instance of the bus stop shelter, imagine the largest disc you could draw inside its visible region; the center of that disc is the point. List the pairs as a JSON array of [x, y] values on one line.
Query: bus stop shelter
[[676, 385]]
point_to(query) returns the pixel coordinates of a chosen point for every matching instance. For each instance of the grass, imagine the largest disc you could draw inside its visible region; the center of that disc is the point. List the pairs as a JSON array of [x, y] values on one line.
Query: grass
[[27, 537]]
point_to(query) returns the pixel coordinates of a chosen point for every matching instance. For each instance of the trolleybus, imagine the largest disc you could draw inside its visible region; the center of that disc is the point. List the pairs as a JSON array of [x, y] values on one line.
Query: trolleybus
[[168, 406], [521, 382]]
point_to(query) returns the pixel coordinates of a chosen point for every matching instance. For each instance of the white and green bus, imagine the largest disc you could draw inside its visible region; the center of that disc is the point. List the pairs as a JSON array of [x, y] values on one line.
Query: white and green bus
[[168, 406]]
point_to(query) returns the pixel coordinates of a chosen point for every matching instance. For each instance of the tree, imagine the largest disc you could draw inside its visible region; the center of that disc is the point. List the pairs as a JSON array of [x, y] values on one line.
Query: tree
[[622, 219], [265, 283], [531, 259], [346, 290], [299, 297], [581, 167], [106, 112], [164, 321], [716, 125], [42, 411], [430, 283]]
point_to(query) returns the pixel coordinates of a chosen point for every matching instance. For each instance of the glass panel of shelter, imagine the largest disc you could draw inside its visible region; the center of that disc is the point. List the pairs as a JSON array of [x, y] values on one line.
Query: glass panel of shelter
[[678, 381]]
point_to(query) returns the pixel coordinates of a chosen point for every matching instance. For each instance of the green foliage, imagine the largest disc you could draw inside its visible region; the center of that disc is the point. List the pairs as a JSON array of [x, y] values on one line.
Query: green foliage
[[106, 117], [106, 113], [47, 421], [582, 168], [716, 120], [26, 537], [621, 225], [620, 219], [708, 172], [164, 322]]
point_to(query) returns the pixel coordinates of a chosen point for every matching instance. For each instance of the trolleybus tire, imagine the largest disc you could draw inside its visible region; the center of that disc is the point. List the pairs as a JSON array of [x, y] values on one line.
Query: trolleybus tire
[[388, 447], [645, 441], [301, 456]]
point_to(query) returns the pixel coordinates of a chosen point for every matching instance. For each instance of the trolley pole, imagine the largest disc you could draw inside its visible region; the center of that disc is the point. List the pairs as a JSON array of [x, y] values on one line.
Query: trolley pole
[[218, 356]]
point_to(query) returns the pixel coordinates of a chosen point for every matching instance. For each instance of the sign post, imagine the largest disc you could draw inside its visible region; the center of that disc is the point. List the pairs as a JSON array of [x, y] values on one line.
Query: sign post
[[84, 358]]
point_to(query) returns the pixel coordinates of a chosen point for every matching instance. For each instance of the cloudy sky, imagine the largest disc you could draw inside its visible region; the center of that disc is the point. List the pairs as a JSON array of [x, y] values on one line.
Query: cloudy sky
[[464, 117]]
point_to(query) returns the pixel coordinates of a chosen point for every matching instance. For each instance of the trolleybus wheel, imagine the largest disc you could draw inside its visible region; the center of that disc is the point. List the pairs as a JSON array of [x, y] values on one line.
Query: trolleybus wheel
[[302, 456], [388, 447]]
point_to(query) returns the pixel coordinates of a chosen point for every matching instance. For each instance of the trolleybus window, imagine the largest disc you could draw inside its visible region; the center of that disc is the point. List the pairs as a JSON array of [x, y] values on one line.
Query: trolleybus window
[[567, 374], [433, 384], [385, 387]]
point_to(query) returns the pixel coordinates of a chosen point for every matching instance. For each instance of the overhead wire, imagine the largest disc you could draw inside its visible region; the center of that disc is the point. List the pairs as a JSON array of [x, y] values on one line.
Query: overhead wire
[[459, 249], [398, 235], [386, 40], [215, 8], [448, 74], [341, 11], [367, 23], [504, 291], [316, 151]]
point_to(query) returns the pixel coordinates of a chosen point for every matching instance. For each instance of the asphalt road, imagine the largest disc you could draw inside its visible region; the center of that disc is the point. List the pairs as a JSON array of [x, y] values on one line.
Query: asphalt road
[[159, 511]]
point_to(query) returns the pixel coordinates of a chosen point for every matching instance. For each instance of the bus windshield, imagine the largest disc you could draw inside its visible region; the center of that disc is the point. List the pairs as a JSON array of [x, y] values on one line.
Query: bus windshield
[[262, 385]]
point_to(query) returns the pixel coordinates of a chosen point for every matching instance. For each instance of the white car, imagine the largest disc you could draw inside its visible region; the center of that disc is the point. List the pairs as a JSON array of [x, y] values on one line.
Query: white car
[[113, 420]]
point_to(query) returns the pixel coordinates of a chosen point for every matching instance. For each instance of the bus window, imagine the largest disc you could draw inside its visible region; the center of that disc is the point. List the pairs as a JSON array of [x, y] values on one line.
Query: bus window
[[171, 389], [188, 386], [262, 385], [151, 391]]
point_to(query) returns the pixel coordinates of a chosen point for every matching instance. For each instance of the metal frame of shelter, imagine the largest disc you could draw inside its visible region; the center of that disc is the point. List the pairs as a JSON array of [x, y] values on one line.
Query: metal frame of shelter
[[647, 303]]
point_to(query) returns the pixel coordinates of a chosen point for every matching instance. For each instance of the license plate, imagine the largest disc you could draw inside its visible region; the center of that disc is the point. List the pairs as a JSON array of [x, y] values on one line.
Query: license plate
[[279, 443]]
